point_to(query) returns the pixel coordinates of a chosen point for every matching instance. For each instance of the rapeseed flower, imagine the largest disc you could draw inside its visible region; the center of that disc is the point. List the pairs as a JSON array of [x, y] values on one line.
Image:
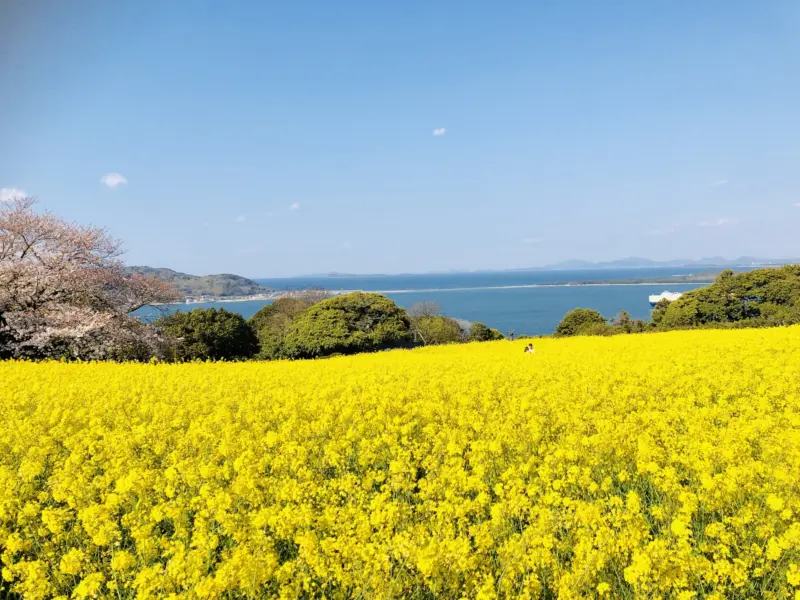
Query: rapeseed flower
[[652, 466]]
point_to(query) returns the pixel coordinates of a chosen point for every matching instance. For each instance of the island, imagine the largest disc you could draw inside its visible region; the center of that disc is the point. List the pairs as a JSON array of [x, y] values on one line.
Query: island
[[702, 277], [208, 288]]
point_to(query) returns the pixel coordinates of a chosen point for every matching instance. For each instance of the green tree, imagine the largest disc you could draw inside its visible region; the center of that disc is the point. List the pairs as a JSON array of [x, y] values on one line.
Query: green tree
[[623, 321], [684, 315], [209, 334], [478, 332], [429, 326], [436, 329], [273, 322], [600, 329], [348, 324], [659, 310], [579, 321], [762, 297]]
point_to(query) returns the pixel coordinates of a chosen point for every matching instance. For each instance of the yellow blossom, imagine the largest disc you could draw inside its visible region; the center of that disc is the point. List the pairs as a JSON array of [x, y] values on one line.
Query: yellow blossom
[[793, 575], [122, 561], [774, 502], [89, 587], [72, 561], [643, 466]]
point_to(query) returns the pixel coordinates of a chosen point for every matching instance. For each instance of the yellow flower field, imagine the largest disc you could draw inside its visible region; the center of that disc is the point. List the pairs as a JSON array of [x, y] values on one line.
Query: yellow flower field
[[650, 466]]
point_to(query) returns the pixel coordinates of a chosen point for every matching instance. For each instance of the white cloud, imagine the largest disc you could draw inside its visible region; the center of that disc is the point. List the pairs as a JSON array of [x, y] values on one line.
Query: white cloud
[[719, 183], [532, 240], [241, 219], [439, 131], [347, 245], [294, 206], [8, 194], [113, 180], [721, 222], [796, 204]]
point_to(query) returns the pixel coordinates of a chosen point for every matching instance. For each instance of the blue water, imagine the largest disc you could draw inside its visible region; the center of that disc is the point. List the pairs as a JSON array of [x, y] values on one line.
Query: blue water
[[498, 299]]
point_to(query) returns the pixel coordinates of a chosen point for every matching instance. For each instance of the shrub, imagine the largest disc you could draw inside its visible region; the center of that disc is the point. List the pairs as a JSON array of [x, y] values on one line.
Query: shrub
[[579, 321], [436, 329], [273, 323], [762, 297], [348, 324], [478, 332], [209, 334]]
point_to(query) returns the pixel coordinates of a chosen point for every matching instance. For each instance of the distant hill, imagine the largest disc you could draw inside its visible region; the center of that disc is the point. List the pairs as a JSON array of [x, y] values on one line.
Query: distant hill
[[221, 285], [635, 262]]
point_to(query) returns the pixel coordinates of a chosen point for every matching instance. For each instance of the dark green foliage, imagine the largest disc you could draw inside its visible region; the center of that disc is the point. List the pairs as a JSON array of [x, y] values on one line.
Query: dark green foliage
[[599, 329], [659, 310], [623, 320], [348, 324], [623, 323], [6, 339], [578, 321], [291, 307], [273, 322], [760, 298], [209, 334], [583, 321], [478, 332]]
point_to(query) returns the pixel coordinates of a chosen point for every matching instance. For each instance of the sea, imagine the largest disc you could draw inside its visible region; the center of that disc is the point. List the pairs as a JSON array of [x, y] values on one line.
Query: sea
[[526, 302]]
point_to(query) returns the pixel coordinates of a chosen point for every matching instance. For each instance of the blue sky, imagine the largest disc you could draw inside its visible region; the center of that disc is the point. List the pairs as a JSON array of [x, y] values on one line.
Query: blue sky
[[272, 139]]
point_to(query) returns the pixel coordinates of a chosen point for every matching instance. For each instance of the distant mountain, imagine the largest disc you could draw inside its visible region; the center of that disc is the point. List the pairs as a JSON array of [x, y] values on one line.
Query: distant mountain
[[636, 262], [570, 265], [221, 285]]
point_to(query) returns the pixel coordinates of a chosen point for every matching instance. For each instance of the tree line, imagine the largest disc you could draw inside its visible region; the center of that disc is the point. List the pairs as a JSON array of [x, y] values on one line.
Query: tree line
[[313, 325], [65, 293], [760, 298]]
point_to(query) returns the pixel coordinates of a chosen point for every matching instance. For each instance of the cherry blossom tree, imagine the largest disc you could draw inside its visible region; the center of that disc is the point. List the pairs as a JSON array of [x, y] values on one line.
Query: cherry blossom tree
[[64, 291]]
